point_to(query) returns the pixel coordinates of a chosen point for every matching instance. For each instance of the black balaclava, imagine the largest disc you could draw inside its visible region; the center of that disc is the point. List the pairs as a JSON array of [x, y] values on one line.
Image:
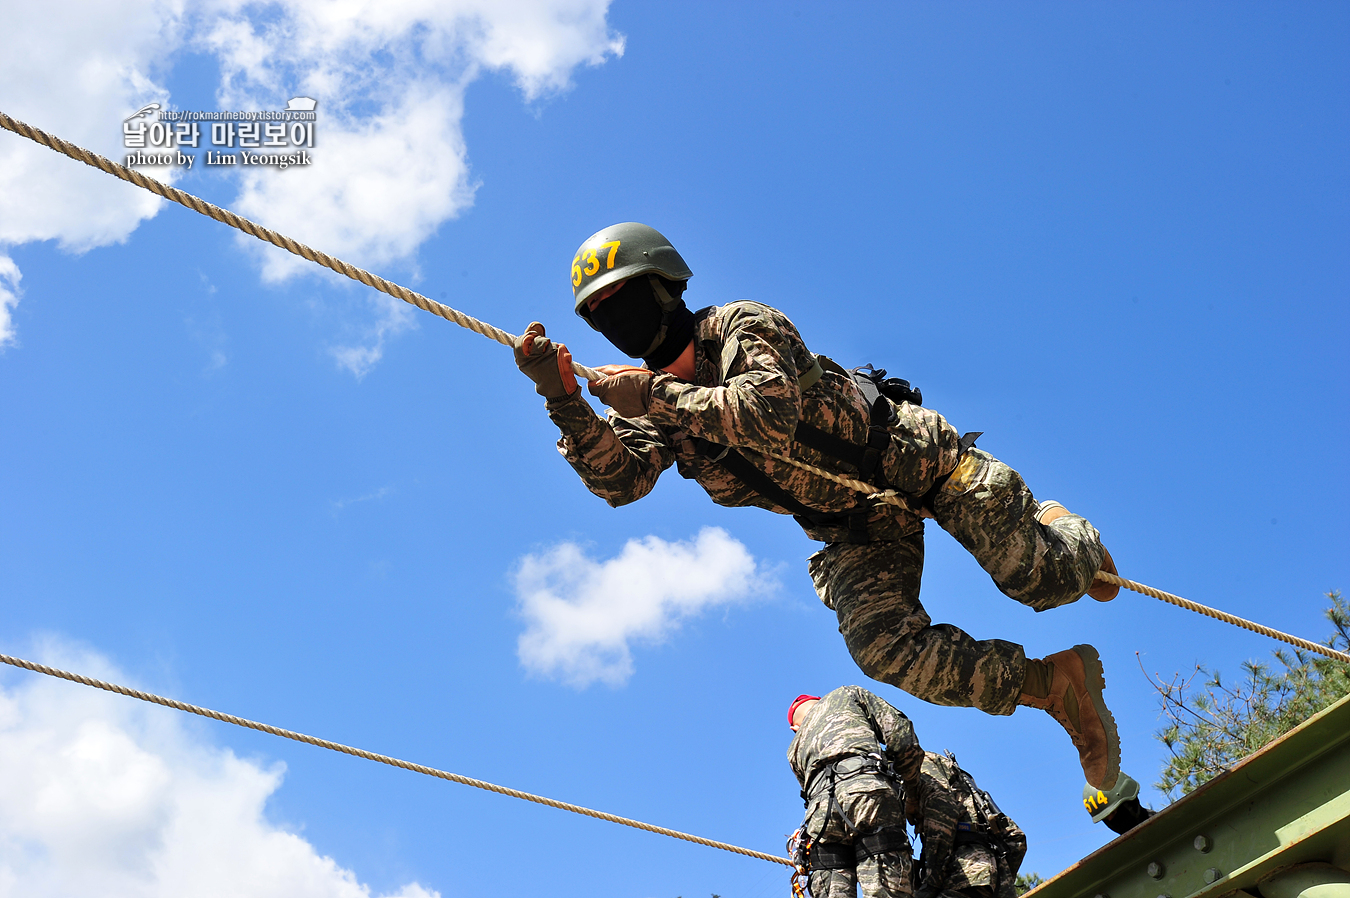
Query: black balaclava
[[633, 320]]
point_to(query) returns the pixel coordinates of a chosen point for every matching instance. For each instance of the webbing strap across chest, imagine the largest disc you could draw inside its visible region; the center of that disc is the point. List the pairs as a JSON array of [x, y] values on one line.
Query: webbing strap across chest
[[750, 475], [865, 459], [745, 471]]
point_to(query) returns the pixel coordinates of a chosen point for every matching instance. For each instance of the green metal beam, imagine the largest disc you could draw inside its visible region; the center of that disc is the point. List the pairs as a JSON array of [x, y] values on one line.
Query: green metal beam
[[1287, 804]]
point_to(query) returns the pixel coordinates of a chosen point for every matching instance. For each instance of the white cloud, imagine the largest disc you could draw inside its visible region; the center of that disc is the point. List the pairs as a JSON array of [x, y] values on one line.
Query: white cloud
[[390, 317], [104, 795], [390, 77], [77, 73], [9, 298], [390, 164], [379, 186], [581, 614], [328, 47], [339, 504]]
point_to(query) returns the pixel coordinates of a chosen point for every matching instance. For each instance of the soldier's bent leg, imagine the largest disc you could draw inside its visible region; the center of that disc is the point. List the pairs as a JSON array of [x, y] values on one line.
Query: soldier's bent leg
[[832, 883], [825, 825], [874, 591], [887, 874], [988, 508], [923, 448]]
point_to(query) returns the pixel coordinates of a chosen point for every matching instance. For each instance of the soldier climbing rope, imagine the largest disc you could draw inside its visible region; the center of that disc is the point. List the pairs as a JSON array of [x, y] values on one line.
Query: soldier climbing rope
[[226, 216], [454, 316], [892, 497]]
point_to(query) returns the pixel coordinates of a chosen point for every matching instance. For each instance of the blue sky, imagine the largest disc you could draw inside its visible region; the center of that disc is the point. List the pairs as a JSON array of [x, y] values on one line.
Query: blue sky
[[1111, 236]]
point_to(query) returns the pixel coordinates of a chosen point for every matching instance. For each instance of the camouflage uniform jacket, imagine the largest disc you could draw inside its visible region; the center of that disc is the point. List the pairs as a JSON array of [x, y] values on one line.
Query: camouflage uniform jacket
[[745, 394], [971, 864], [852, 722]]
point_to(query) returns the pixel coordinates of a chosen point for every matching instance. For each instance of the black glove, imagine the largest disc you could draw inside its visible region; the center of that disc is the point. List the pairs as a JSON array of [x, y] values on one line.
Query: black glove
[[549, 366]]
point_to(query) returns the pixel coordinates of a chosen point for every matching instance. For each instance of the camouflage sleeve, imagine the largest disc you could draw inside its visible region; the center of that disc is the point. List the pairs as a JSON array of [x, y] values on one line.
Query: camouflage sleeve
[[935, 820], [894, 729], [757, 401], [618, 459], [797, 762]]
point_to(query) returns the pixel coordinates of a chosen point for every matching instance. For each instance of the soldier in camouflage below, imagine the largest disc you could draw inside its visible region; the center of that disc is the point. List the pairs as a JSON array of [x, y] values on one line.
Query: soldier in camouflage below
[[983, 856], [728, 388], [856, 793]]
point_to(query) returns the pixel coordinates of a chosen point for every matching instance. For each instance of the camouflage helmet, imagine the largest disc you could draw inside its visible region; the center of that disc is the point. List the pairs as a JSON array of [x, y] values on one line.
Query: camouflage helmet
[[1101, 803], [619, 252]]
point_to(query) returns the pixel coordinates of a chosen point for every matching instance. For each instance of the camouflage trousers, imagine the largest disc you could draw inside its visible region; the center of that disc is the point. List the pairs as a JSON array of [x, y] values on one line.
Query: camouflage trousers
[[873, 588], [885, 875], [988, 508], [974, 870]]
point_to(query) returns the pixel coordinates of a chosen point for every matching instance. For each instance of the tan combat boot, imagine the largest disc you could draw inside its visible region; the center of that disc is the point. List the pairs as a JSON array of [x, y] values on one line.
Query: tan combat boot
[[1069, 686], [1100, 590]]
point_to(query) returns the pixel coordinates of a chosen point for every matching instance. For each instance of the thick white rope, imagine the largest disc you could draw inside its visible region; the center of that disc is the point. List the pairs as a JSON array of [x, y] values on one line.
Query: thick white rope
[[225, 216], [196, 204], [1223, 616], [383, 759]]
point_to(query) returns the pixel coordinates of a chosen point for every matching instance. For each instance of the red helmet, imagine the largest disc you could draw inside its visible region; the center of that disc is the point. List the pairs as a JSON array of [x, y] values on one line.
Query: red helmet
[[792, 708]]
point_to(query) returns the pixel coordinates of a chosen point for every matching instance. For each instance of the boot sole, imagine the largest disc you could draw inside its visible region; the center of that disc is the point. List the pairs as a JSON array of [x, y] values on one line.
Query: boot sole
[[1094, 677]]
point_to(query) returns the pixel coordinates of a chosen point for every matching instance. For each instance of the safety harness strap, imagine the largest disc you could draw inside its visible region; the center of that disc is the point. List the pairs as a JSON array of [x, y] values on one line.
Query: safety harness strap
[[866, 458], [863, 459], [808, 380], [845, 769], [743, 470], [984, 802], [971, 837], [889, 838], [831, 856], [846, 855]]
